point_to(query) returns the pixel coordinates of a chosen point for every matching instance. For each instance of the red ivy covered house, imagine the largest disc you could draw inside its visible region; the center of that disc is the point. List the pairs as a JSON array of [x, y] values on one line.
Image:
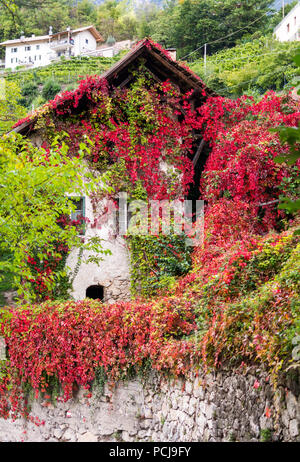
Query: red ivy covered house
[[98, 108]]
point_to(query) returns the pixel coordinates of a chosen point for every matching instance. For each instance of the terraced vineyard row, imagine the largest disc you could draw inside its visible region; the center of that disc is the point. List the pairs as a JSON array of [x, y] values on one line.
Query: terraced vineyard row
[[65, 71]]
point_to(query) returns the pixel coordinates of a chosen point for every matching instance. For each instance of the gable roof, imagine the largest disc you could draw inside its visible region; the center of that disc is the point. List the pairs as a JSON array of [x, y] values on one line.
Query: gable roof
[[293, 10], [34, 38], [42, 38], [157, 61], [91, 28]]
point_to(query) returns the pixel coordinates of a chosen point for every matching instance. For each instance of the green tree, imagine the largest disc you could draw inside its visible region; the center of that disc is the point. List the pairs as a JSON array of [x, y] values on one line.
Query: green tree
[[146, 15], [30, 91], [86, 13], [108, 15], [10, 108], [34, 190], [117, 19], [189, 24], [291, 136], [33, 16]]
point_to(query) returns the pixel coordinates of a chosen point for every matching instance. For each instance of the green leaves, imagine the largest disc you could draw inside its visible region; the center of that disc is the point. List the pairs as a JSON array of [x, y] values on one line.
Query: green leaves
[[297, 58], [156, 261], [34, 189], [291, 136], [10, 108], [289, 205], [253, 67]]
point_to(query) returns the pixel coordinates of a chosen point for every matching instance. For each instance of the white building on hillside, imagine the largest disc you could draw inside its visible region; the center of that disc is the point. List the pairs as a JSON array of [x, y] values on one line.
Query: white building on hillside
[[112, 48], [38, 51], [288, 30]]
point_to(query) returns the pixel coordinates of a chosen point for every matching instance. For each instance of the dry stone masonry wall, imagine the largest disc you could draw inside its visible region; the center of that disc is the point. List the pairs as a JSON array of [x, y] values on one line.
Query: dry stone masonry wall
[[116, 290], [223, 406]]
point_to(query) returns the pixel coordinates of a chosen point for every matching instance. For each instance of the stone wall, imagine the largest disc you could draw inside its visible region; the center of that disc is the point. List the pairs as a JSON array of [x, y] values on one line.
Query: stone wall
[[117, 289], [223, 406]]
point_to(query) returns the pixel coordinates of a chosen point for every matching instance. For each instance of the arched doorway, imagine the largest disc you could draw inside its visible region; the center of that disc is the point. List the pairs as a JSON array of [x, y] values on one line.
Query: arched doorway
[[95, 292]]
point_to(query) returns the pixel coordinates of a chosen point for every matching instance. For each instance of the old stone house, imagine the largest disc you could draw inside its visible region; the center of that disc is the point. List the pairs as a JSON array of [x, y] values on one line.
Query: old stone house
[[111, 280]]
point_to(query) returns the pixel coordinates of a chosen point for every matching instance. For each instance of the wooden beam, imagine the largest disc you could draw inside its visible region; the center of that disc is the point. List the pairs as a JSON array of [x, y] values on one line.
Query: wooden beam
[[165, 75], [126, 81], [157, 79], [120, 65], [198, 152], [154, 68], [174, 70]]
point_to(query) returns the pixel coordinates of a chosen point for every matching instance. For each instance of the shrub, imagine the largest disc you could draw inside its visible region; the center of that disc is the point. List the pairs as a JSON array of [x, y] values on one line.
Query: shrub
[[71, 341], [251, 316], [50, 89], [29, 92]]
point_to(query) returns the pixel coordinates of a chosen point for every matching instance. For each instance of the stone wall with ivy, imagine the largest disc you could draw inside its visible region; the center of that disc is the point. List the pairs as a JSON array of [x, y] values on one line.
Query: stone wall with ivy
[[223, 406]]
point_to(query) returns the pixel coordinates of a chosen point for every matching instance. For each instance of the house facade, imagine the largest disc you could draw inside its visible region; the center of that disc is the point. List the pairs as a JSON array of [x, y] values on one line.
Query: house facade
[[110, 280], [109, 50], [288, 30], [36, 51]]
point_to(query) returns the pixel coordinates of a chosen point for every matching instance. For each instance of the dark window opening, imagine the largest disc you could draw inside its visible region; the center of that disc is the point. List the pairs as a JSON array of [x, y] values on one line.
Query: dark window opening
[[78, 215], [95, 292], [194, 189], [79, 211]]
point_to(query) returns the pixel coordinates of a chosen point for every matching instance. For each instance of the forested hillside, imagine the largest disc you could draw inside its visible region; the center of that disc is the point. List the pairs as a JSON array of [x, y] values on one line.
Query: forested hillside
[[184, 24], [247, 59]]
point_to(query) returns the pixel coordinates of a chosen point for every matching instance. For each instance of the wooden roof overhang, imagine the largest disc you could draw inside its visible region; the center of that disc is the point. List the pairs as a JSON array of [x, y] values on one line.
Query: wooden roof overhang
[[158, 62]]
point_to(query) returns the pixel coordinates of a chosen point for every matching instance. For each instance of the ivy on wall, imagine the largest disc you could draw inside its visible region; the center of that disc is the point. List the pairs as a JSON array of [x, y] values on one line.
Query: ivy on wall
[[156, 262]]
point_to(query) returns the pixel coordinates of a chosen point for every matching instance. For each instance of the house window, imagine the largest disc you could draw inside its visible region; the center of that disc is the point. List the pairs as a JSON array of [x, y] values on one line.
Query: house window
[[38, 47], [95, 292], [295, 20], [288, 28], [28, 48], [78, 214], [14, 50], [86, 40], [123, 216], [79, 211], [40, 57]]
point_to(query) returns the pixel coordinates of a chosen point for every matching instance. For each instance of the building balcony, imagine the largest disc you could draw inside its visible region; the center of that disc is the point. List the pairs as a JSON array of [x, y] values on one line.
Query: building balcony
[[61, 45]]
